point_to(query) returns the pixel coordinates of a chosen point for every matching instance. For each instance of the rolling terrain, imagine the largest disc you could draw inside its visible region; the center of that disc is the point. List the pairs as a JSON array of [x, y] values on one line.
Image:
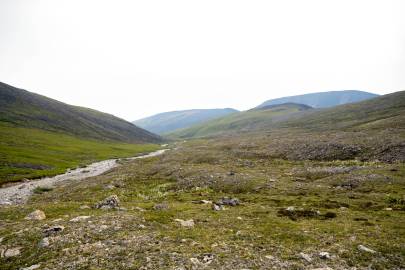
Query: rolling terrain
[[170, 121], [41, 137], [324, 99], [242, 121]]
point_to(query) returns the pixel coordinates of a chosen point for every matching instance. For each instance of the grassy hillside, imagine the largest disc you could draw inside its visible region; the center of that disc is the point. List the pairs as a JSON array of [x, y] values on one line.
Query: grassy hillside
[[32, 153], [324, 99], [384, 112], [25, 109], [242, 121], [170, 121]]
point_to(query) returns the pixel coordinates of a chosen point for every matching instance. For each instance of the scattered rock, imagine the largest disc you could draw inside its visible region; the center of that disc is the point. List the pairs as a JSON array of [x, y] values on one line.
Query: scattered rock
[[324, 255], [32, 267], [228, 201], [12, 252], [305, 257], [185, 223], [365, 249], [53, 230], [217, 207], [44, 243], [36, 215], [80, 218], [161, 206], [111, 202], [205, 202]]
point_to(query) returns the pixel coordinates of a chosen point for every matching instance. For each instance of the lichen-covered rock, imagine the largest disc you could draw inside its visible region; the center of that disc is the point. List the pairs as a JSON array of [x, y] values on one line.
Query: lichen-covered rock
[[111, 202], [36, 215]]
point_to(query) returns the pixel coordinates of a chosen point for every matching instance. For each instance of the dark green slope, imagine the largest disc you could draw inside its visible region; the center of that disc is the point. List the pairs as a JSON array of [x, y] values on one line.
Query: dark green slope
[[25, 109], [258, 118]]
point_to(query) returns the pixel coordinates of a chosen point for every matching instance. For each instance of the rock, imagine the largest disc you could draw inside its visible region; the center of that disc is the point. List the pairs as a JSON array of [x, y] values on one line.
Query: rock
[[84, 207], [44, 243], [161, 206], [36, 215], [185, 223], [228, 201], [53, 230], [32, 267], [109, 187], [322, 268], [217, 207], [231, 173], [80, 218], [365, 249], [205, 202], [1, 239], [388, 209], [324, 255], [111, 202], [206, 258], [306, 257], [12, 252]]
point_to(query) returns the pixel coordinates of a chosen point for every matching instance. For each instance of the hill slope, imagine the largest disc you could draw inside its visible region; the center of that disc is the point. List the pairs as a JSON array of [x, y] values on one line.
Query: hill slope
[[170, 121], [324, 99], [40, 136], [25, 109], [243, 121]]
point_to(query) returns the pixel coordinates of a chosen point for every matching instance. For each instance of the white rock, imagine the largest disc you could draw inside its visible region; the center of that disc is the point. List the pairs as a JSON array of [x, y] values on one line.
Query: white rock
[[44, 243], [32, 267], [185, 223], [365, 249], [324, 255], [306, 257], [12, 252], [36, 215], [80, 218]]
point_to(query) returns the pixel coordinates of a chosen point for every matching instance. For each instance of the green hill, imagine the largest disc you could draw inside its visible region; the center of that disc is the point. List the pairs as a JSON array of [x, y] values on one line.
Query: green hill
[[40, 136], [170, 121], [25, 109], [254, 119]]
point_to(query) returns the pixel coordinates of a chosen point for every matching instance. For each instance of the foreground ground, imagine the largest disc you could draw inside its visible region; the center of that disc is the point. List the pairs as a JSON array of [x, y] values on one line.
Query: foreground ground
[[291, 210]]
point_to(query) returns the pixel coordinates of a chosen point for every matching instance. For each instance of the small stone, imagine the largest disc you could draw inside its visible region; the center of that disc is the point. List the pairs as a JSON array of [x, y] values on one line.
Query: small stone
[[84, 207], [44, 243], [36, 215], [111, 202], [365, 249], [269, 257], [103, 227], [322, 268], [205, 202], [12, 252], [80, 218], [217, 207], [228, 201], [195, 261], [324, 255], [32, 267], [185, 223], [239, 218], [306, 257], [53, 230], [388, 209], [161, 206], [206, 258]]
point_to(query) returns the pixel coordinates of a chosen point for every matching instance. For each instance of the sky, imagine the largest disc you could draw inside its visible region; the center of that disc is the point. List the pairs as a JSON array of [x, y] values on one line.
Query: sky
[[138, 58]]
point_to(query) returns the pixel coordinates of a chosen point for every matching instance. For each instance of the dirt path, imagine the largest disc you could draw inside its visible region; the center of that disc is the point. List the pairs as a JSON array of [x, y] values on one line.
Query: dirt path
[[19, 193]]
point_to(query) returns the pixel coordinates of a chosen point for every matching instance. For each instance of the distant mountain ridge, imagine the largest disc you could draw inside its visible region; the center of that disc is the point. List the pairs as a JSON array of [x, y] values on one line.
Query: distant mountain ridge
[[22, 108], [323, 99], [170, 121]]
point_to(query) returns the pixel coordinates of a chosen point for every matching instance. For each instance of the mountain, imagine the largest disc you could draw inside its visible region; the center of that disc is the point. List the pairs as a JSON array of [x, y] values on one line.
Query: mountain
[[41, 137], [379, 113], [324, 99], [170, 121], [383, 112], [256, 118], [25, 109]]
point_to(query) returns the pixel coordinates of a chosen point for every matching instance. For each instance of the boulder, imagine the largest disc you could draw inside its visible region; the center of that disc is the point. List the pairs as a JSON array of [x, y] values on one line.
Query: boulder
[[36, 215], [111, 202]]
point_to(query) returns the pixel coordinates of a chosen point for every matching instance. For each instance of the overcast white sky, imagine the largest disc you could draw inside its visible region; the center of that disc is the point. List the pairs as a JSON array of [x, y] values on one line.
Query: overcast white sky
[[137, 58]]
